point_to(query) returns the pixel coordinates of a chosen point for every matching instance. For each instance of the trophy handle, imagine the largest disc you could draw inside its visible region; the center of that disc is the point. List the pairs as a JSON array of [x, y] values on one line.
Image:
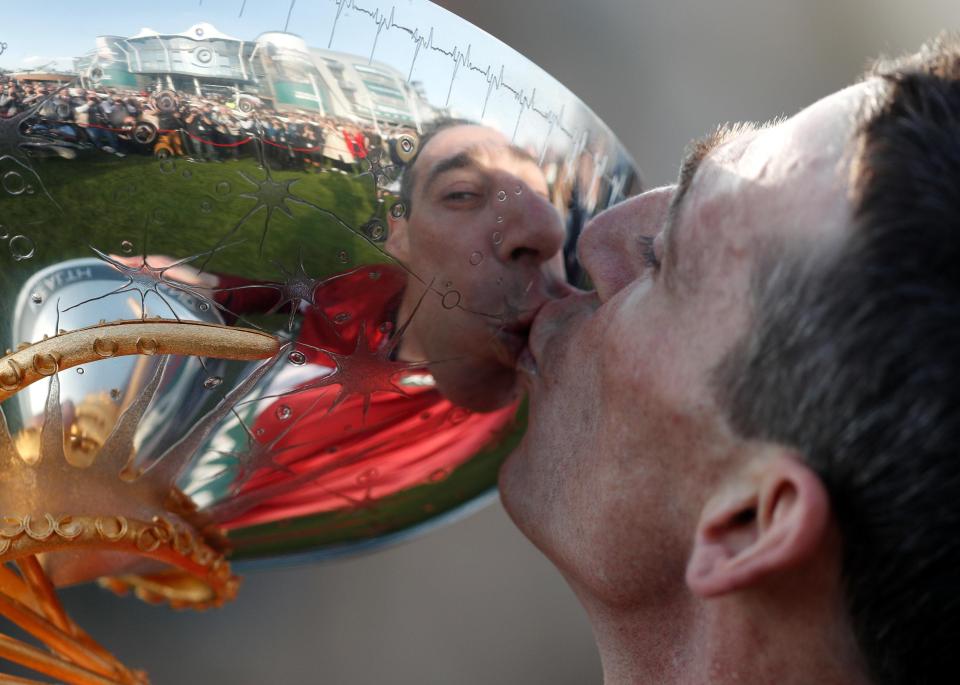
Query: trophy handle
[[147, 518], [33, 362]]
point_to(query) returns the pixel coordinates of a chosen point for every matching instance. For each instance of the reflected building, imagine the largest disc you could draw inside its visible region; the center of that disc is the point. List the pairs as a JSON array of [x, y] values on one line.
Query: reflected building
[[371, 91], [199, 60], [43, 77], [277, 70]]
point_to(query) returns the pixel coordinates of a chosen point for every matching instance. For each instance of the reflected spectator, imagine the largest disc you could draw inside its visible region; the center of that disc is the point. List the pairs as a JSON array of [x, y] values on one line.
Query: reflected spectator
[[210, 127], [9, 101], [199, 128], [227, 132], [97, 125]]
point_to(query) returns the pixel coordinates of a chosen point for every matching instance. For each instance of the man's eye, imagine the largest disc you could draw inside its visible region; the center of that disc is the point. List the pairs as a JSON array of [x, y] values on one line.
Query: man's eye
[[459, 195], [648, 252]]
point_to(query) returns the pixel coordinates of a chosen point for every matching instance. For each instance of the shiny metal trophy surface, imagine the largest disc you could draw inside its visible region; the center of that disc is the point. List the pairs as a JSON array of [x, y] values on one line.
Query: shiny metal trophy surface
[[267, 270]]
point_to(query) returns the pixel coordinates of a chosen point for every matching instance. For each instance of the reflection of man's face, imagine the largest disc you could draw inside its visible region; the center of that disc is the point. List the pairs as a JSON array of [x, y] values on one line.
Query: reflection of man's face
[[483, 236], [625, 437]]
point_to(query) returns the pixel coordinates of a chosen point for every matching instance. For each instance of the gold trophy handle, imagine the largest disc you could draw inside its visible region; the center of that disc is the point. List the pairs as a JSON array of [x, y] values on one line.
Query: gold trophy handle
[[33, 362]]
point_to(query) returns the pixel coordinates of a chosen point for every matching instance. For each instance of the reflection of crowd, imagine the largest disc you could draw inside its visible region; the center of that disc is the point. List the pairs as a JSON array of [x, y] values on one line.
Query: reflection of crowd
[[212, 128]]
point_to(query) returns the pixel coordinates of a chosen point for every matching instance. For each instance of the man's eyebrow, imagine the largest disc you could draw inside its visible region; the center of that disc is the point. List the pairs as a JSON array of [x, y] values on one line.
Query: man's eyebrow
[[522, 155], [460, 160], [468, 158]]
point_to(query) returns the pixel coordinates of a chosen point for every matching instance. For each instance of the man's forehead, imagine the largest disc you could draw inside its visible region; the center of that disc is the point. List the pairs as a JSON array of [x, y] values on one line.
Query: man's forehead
[[467, 146], [822, 133], [475, 143], [790, 180], [790, 146]]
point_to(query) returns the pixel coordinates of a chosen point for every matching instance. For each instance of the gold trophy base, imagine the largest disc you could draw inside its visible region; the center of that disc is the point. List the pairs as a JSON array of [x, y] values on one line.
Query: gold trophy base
[[28, 599], [151, 526]]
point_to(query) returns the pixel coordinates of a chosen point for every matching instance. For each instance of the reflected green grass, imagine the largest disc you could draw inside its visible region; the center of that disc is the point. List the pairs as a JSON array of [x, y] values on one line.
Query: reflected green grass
[[181, 209]]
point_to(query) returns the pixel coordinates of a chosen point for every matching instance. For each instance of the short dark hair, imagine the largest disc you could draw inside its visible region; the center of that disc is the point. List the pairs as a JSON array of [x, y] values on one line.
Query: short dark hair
[[408, 175], [853, 358]]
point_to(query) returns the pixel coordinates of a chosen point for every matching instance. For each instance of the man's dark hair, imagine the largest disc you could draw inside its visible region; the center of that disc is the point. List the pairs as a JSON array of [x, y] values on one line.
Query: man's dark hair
[[408, 176], [853, 358]]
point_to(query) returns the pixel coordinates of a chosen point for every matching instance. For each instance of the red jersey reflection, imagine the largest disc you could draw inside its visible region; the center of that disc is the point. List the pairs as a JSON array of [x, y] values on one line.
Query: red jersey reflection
[[347, 438]]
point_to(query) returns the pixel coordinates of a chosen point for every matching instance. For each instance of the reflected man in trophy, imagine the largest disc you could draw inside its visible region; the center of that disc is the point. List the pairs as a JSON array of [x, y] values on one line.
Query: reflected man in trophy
[[425, 353], [477, 222]]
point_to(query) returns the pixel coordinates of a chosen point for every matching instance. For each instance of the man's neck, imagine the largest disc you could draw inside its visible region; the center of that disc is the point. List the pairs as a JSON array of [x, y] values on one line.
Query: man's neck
[[713, 642]]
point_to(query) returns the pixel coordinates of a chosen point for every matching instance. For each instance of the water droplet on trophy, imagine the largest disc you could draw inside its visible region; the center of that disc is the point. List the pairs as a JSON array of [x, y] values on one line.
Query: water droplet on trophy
[[476, 258], [115, 394], [126, 246], [212, 382], [284, 412], [342, 317], [36, 298], [398, 210], [518, 190], [203, 307], [343, 257], [497, 237], [502, 195], [80, 370], [406, 148], [13, 183], [450, 299], [297, 358], [21, 248]]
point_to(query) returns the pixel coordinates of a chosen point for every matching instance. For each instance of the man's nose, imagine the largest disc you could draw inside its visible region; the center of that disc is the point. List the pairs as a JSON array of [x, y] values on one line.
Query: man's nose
[[527, 228], [610, 247]]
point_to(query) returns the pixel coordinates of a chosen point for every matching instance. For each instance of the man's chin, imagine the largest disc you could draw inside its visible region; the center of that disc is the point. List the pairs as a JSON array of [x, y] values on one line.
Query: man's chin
[[510, 483], [518, 495], [478, 387]]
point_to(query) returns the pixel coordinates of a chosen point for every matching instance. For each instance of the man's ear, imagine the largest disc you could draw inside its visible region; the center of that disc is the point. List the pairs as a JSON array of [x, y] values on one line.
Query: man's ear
[[398, 239], [774, 519]]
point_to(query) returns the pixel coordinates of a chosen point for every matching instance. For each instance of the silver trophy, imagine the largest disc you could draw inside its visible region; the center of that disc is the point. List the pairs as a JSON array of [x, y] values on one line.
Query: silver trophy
[[264, 291]]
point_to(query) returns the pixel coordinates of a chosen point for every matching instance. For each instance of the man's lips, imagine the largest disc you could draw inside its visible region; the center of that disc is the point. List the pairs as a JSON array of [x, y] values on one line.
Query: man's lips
[[527, 363], [522, 325], [519, 332], [514, 335], [550, 321], [512, 338]]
